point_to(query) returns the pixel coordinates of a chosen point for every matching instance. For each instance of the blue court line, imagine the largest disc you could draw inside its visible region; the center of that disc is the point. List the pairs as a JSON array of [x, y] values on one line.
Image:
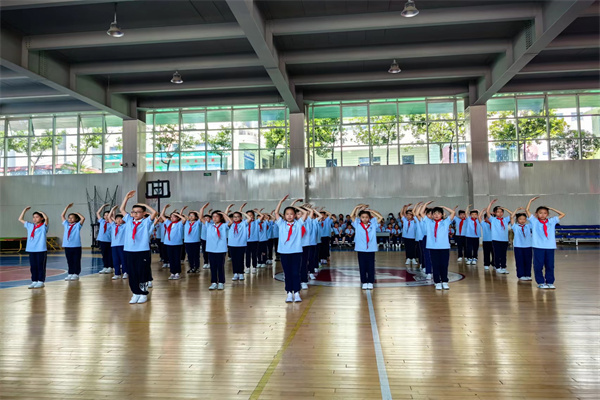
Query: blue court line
[[386, 393]]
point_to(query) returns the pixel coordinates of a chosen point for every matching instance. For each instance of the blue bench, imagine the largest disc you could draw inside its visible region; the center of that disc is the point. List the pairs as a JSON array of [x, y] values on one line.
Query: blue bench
[[577, 233]]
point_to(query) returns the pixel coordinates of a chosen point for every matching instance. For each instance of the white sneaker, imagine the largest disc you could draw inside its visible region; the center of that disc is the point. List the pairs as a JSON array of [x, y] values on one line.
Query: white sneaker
[[312, 276], [149, 284], [269, 262], [543, 286], [176, 276], [289, 297], [304, 285], [74, 277], [143, 298], [365, 286], [474, 261], [528, 278], [407, 261], [135, 298], [102, 271], [205, 266], [428, 276], [221, 286], [414, 261], [316, 270], [468, 262], [523, 278], [171, 277], [39, 284], [125, 275], [235, 277], [115, 277], [551, 286], [212, 286], [486, 267], [165, 265], [32, 285], [505, 272], [241, 277], [445, 286], [438, 286], [254, 270], [297, 298], [68, 278], [370, 286]]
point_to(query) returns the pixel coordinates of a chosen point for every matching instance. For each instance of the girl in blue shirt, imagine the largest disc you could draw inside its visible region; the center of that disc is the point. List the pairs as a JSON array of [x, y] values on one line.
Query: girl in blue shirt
[[72, 242], [499, 235], [191, 240], [117, 234], [36, 246], [408, 235], [103, 240], [307, 248], [326, 224], [396, 234], [238, 240], [472, 234], [173, 234], [263, 238], [205, 218], [216, 246], [522, 244], [426, 258], [486, 232], [365, 242], [252, 246]]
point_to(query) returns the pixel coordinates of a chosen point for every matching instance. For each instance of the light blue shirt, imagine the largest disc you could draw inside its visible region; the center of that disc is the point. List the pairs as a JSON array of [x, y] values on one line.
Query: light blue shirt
[[36, 243], [158, 231], [440, 240], [459, 231], [315, 233], [499, 232], [325, 227], [142, 234], [336, 231], [263, 231], [486, 230], [522, 235], [274, 230], [294, 244], [470, 232], [539, 239], [118, 238], [308, 234], [214, 242], [239, 238], [194, 236], [349, 231], [408, 230], [176, 237], [75, 239], [420, 233], [103, 236], [202, 230], [360, 239], [253, 231]]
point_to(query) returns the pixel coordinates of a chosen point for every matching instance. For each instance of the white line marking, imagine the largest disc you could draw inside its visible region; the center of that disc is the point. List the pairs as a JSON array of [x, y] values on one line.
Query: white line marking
[[386, 394]]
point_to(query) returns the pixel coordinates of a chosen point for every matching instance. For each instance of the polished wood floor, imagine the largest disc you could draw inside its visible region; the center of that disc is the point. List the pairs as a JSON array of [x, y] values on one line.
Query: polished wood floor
[[489, 337]]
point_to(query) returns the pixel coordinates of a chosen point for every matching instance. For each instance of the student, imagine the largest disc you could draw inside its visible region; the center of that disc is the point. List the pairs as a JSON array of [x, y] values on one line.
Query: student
[[205, 218], [158, 239], [350, 233], [472, 235], [335, 234], [544, 243], [486, 232], [36, 246], [191, 240], [274, 238], [117, 243], [426, 261], [72, 242], [419, 235], [161, 224], [396, 233], [138, 258], [216, 246], [438, 242], [326, 224], [499, 235], [307, 247], [174, 224], [290, 247], [314, 233], [252, 244], [270, 240], [238, 239], [365, 242], [460, 230], [103, 240], [263, 238], [408, 234], [522, 244]]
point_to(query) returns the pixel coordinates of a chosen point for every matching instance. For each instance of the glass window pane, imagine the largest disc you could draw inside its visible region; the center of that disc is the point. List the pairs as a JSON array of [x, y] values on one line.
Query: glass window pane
[[92, 124], [219, 140], [534, 150], [383, 112], [325, 135], [413, 154], [113, 124], [384, 133], [567, 149], [18, 146], [16, 166], [412, 111], [591, 148], [2, 169], [41, 165], [353, 135], [41, 126], [245, 118], [528, 106], [193, 120], [413, 133], [91, 163], [328, 157], [90, 153], [114, 143], [272, 117], [166, 138], [193, 140], [66, 125], [218, 119], [503, 151], [218, 159], [533, 128], [502, 129], [274, 138], [460, 109], [166, 161], [562, 105], [385, 155], [589, 104], [462, 132], [590, 126], [443, 153], [563, 127], [460, 156], [193, 161], [41, 146], [66, 144], [246, 159], [149, 162], [501, 107], [440, 110], [166, 119], [2, 128], [245, 139], [326, 113], [355, 156], [442, 131], [65, 165], [112, 163], [276, 158], [18, 127], [354, 114]]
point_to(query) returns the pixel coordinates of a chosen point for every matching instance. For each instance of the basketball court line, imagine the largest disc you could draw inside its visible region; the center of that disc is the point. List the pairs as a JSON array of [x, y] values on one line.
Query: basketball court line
[[386, 393]]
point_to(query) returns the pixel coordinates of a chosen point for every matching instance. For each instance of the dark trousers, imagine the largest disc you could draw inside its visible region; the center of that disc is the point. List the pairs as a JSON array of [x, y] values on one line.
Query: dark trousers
[[204, 253], [472, 247], [366, 265], [73, 255], [252, 254], [395, 239], [174, 253], [37, 264], [217, 267], [500, 249], [166, 253], [461, 244], [106, 251], [161, 250], [138, 264], [307, 258], [118, 257], [313, 262], [426, 257], [291, 268], [543, 258], [418, 251], [275, 248], [237, 259], [182, 253], [523, 257], [193, 253], [409, 247], [324, 251], [262, 252], [488, 254], [270, 245], [439, 262]]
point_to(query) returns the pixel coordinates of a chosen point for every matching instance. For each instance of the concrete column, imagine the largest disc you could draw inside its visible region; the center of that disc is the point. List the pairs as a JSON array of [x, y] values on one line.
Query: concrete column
[[478, 157], [134, 157], [297, 156]]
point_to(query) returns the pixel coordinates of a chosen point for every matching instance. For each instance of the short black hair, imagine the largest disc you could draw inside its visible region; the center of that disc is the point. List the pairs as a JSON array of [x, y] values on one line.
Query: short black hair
[[77, 219], [520, 215], [237, 212], [497, 208], [119, 216], [290, 208], [474, 212], [542, 208], [218, 212], [438, 209], [461, 212], [365, 212], [195, 213], [39, 214], [143, 208]]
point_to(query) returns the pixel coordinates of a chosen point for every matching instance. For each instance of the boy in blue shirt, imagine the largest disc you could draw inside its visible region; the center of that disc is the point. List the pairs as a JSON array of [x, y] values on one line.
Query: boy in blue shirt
[[472, 235], [237, 239], [499, 235], [522, 244], [103, 240], [486, 233], [365, 242], [36, 246], [409, 231], [460, 232], [72, 242], [117, 234], [174, 224], [544, 243]]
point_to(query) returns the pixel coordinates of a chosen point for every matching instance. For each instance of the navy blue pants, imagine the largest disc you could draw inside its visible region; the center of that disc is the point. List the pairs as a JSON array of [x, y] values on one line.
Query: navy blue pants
[[193, 253], [291, 264], [118, 257], [488, 254], [500, 249], [161, 250], [439, 262], [73, 255], [461, 245], [366, 265], [307, 258], [324, 249], [106, 250], [543, 258], [270, 245], [409, 247], [523, 257], [217, 267], [37, 263], [426, 257], [313, 262], [204, 253], [237, 259], [472, 247], [262, 252], [174, 254], [138, 264], [166, 253], [251, 254]]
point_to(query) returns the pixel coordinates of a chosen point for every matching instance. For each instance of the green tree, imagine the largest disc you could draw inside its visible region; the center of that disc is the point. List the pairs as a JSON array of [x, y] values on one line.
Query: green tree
[[39, 145], [220, 143], [87, 142], [383, 131], [442, 132], [166, 142], [325, 133], [566, 145], [274, 137]]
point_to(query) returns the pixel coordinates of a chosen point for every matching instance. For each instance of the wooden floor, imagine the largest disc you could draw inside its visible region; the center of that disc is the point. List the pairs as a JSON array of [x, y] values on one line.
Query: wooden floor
[[489, 337]]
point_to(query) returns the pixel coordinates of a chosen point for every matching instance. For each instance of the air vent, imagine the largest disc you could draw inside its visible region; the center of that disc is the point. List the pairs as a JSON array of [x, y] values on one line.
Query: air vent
[[529, 35]]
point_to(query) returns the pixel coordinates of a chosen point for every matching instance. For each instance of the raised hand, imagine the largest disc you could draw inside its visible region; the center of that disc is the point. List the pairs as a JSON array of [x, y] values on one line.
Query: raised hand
[[129, 195]]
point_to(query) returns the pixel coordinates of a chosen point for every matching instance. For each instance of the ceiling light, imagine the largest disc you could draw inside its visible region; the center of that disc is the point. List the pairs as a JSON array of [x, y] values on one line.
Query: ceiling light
[[394, 68], [114, 30], [410, 10], [177, 78]]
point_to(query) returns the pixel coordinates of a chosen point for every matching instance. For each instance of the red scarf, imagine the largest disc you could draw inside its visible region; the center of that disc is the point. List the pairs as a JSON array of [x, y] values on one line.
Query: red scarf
[[436, 228], [105, 224], [249, 226], [290, 231], [191, 226], [366, 228], [303, 231], [462, 221], [135, 225], [218, 231], [116, 230], [545, 222], [34, 228], [260, 225], [408, 226], [169, 230], [70, 229], [522, 229], [235, 228], [489, 223], [475, 222], [501, 222]]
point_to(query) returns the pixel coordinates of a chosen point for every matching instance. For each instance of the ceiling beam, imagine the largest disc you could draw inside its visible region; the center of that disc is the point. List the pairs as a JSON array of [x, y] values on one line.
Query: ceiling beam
[[167, 34], [44, 107], [574, 42], [566, 66], [394, 20], [404, 51], [7, 5], [29, 93], [556, 16], [207, 101], [198, 86], [252, 23], [367, 94], [546, 85]]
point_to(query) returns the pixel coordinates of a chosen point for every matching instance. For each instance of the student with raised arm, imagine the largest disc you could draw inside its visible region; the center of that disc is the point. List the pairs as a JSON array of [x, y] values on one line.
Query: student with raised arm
[[174, 223], [365, 223], [252, 244], [486, 233], [426, 258], [522, 244], [72, 242], [36, 246], [307, 245], [544, 243], [117, 236], [499, 235], [237, 238], [409, 231], [191, 240], [472, 234], [460, 236], [103, 240], [263, 238], [290, 247], [216, 246], [438, 242], [138, 229], [325, 232]]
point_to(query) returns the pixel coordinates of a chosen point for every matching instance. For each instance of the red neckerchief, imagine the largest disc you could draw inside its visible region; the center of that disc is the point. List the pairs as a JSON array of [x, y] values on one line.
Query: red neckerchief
[[105, 224], [366, 228], [501, 222], [135, 225], [436, 228], [191, 226], [260, 225], [34, 228], [462, 221], [70, 229], [235, 228], [475, 222], [169, 230], [545, 222], [218, 231], [522, 229], [290, 231], [249, 226], [117, 229], [303, 231], [408, 225]]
